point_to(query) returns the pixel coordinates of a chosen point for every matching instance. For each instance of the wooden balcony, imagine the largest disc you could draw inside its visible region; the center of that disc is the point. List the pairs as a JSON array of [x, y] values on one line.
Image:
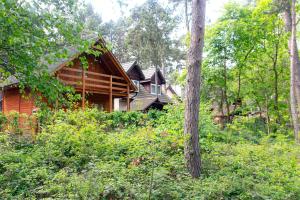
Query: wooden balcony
[[94, 82]]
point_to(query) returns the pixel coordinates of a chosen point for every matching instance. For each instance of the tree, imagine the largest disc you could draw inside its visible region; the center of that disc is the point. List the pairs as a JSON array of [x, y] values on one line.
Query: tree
[[149, 36], [289, 10], [34, 34], [186, 11], [253, 75], [116, 33], [291, 24], [90, 20], [192, 149]]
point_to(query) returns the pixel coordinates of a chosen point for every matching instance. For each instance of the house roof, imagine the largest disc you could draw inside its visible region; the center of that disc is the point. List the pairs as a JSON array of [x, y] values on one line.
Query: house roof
[[144, 99], [171, 89], [150, 73], [128, 66], [9, 81]]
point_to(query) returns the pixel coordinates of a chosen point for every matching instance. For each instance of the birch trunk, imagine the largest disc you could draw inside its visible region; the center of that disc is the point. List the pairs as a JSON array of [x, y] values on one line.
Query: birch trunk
[[290, 21], [191, 129]]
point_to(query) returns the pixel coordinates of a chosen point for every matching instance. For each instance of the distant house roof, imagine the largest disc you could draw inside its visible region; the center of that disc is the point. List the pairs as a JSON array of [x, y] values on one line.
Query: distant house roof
[[128, 66], [150, 73], [171, 89], [143, 100], [9, 81]]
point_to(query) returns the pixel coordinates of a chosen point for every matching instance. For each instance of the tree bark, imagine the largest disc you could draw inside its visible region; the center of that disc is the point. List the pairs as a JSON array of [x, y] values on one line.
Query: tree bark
[[191, 129], [276, 96], [290, 22], [225, 89]]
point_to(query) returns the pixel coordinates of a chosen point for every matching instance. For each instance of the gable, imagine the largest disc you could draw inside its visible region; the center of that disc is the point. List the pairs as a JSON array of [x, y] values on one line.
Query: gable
[[135, 73], [150, 76]]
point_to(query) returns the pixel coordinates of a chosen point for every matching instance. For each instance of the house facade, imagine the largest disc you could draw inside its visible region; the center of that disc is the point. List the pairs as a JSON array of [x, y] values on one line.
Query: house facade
[[99, 84], [149, 85]]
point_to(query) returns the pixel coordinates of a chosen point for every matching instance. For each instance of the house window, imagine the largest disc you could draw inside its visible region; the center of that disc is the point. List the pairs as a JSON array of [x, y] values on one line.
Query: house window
[[153, 89], [137, 84], [159, 89]]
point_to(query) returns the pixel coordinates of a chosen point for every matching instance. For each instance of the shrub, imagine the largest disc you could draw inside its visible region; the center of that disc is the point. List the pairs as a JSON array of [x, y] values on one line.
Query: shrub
[[79, 156], [3, 121]]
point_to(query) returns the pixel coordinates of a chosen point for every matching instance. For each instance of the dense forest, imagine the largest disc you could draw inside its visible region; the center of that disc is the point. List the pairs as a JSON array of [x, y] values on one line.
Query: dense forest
[[232, 134]]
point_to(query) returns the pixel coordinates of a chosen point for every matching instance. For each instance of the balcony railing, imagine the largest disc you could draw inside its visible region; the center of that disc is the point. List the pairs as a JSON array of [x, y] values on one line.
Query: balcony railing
[[93, 81]]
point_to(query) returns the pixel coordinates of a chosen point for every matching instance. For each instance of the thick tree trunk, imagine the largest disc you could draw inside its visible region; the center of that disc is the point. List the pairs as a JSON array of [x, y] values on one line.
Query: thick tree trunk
[[191, 129], [290, 20]]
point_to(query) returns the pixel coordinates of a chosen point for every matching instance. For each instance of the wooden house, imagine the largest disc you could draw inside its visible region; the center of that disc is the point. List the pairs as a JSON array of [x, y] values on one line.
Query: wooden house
[[99, 84], [149, 94]]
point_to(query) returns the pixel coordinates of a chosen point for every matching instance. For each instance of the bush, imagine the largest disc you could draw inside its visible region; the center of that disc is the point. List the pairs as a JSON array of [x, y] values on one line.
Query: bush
[[79, 155], [3, 121]]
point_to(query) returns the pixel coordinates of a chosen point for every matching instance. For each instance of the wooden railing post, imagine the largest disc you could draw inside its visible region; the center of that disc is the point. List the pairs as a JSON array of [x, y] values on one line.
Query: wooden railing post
[[128, 100], [110, 95], [83, 88]]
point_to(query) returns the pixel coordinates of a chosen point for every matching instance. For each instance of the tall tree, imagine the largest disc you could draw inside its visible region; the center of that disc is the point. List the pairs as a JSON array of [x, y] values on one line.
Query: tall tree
[[149, 36], [289, 8], [191, 129], [91, 20], [186, 4]]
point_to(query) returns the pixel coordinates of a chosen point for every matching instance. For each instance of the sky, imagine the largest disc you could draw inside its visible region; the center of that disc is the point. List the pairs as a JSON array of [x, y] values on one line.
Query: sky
[[109, 9]]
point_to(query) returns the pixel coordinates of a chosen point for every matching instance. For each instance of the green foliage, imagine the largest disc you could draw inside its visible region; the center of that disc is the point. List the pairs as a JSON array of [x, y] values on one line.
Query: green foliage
[[35, 34], [3, 121], [97, 155], [247, 63]]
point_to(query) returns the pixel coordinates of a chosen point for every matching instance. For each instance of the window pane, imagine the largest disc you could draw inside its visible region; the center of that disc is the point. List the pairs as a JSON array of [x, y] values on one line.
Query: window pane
[[159, 89], [153, 89]]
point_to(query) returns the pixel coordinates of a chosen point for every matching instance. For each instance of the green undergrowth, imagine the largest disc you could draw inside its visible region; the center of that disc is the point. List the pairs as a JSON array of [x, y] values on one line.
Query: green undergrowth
[[95, 155]]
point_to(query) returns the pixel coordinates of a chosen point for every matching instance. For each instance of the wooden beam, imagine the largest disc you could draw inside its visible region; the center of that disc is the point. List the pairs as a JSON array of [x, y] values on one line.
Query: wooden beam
[[77, 84], [83, 88], [110, 95], [128, 100]]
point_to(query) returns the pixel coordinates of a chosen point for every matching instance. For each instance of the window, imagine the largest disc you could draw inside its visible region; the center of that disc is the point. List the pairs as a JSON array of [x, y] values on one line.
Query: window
[[137, 84], [159, 89], [153, 89]]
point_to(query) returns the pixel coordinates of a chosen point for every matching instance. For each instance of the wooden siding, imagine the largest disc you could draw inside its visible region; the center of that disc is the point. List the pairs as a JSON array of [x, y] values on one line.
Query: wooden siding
[[14, 101], [99, 101], [159, 80], [147, 86]]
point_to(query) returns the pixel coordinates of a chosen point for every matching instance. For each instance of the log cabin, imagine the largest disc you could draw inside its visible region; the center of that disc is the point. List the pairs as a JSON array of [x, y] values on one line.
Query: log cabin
[[150, 94], [99, 84]]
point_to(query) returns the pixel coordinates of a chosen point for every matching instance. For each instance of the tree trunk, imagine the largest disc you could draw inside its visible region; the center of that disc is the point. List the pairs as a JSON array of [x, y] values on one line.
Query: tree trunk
[[191, 130], [268, 115], [290, 21], [276, 106], [225, 91]]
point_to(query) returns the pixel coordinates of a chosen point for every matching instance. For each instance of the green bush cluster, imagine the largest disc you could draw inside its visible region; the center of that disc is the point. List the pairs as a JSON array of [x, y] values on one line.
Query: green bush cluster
[[96, 155], [16, 123]]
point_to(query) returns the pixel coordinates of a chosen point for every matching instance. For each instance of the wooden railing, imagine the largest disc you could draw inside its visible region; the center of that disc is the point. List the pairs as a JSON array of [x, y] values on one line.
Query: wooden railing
[[93, 81]]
